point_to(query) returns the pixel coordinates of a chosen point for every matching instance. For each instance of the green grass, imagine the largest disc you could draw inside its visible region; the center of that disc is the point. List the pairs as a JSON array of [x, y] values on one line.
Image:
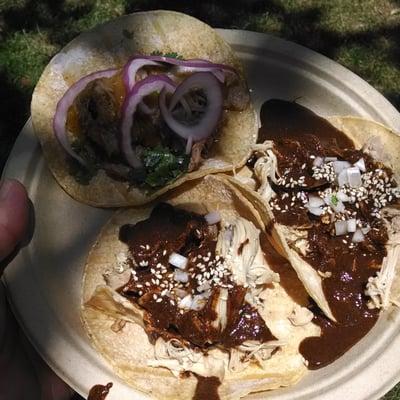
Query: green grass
[[362, 35]]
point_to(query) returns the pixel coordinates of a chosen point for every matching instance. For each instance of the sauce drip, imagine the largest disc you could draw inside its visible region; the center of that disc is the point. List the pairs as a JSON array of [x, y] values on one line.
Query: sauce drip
[[298, 133], [207, 388], [99, 392]]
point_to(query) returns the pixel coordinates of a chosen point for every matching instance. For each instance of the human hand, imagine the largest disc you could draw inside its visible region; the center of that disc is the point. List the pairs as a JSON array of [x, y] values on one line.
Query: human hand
[[24, 375]]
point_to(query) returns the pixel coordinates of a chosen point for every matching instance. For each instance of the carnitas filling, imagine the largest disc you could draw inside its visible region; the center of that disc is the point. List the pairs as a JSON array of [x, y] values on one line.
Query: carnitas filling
[[334, 204], [136, 135]]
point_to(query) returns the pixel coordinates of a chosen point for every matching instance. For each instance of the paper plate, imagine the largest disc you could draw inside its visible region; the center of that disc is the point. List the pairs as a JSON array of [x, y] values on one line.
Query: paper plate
[[44, 281]]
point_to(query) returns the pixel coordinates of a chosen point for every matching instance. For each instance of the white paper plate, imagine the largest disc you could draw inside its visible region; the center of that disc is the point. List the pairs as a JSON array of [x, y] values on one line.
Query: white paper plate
[[44, 281]]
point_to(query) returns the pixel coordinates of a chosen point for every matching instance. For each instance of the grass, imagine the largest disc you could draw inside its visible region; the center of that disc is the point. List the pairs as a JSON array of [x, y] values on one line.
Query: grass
[[363, 35]]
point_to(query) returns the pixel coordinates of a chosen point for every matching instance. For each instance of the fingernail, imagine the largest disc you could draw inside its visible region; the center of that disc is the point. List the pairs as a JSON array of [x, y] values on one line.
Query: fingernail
[[5, 189]]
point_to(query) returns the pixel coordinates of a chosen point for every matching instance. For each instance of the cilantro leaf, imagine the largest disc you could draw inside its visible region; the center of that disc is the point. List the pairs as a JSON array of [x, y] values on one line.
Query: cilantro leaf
[[334, 200], [163, 166], [170, 54]]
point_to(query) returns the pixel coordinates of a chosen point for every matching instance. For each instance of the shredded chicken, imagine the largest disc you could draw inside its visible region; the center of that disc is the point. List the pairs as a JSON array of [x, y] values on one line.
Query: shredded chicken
[[379, 287], [248, 351], [178, 358], [221, 309], [266, 169], [300, 316], [239, 245]]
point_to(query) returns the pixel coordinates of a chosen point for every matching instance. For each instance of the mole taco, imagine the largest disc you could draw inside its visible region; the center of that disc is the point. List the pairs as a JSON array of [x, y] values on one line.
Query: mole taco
[[328, 192], [185, 299], [140, 105]]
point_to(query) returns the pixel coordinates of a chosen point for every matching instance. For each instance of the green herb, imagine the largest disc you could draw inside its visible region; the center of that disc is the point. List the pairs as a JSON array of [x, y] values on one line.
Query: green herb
[[162, 166], [83, 173], [334, 200], [170, 55]]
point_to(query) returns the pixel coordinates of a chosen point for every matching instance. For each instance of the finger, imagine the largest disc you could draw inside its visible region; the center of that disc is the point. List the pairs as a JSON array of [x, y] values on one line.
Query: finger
[[14, 210]]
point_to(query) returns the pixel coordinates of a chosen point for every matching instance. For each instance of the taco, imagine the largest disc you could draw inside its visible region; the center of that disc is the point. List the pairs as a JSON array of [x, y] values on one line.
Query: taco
[[140, 105], [184, 302], [328, 192]]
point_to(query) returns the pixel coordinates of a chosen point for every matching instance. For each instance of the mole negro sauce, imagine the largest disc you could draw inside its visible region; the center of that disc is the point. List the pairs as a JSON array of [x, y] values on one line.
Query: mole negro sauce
[[298, 133], [99, 392], [151, 242]]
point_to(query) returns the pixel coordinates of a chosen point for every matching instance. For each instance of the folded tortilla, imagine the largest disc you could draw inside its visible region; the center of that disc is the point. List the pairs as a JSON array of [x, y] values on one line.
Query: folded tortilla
[[128, 348], [112, 45], [383, 144]]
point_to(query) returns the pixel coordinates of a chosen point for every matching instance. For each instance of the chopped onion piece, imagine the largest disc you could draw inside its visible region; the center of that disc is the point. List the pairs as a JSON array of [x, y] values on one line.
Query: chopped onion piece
[[360, 164], [354, 176], [315, 201], [212, 113], [338, 207], [343, 178], [318, 161], [202, 288], [340, 228], [342, 196], [339, 166], [358, 236], [351, 225], [213, 217], [180, 293], [366, 229], [186, 302], [329, 159], [181, 276], [178, 261], [316, 211]]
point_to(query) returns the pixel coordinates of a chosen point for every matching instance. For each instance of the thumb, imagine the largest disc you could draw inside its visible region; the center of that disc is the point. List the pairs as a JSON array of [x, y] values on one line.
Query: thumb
[[14, 210]]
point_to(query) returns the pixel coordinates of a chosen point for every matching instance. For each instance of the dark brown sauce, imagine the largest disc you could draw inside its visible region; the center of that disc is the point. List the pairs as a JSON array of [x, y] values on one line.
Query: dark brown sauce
[[284, 119], [99, 392], [207, 388], [151, 242], [299, 133]]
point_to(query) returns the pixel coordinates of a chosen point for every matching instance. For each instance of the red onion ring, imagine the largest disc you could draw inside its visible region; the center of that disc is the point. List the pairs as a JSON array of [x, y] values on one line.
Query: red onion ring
[[60, 117], [143, 88], [194, 65], [200, 80], [132, 67]]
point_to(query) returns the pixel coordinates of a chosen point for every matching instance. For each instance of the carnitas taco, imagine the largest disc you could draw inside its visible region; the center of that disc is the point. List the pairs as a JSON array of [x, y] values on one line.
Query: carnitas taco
[[140, 105], [185, 298], [328, 192]]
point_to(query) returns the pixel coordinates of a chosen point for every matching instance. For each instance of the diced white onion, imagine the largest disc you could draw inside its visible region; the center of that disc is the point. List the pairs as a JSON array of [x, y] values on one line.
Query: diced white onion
[[342, 196], [316, 211], [339, 166], [329, 159], [343, 178], [338, 207], [315, 201], [180, 293], [186, 302], [358, 236], [178, 261], [351, 225], [354, 176], [213, 217], [181, 276], [340, 228], [366, 229], [361, 165], [202, 288], [318, 161]]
